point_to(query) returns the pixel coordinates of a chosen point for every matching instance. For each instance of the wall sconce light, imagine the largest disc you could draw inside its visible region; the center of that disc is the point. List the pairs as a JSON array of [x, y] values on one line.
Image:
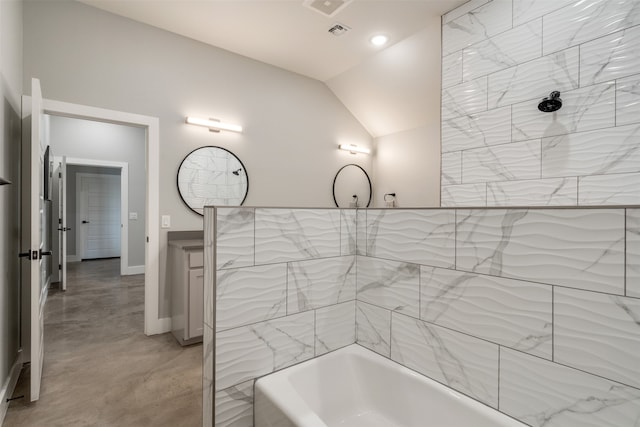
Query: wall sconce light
[[353, 149], [214, 125]]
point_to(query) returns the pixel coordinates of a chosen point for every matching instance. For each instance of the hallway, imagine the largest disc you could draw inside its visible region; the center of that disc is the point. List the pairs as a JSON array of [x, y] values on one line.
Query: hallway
[[100, 369]]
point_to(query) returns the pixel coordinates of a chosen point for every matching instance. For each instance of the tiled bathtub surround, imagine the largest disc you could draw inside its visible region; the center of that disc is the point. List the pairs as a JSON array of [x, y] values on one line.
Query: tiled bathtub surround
[[533, 312], [500, 58]]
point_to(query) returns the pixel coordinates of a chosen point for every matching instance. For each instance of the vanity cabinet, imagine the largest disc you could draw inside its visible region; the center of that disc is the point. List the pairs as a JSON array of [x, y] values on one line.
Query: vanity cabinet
[[186, 272]]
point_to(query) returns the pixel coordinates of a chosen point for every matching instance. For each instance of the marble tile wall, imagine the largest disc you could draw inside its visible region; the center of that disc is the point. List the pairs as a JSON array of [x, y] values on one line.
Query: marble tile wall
[[534, 312], [499, 59]]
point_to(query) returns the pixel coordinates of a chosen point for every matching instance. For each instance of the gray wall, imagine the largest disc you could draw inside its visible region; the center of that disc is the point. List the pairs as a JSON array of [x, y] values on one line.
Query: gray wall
[[10, 91], [104, 141], [293, 124]]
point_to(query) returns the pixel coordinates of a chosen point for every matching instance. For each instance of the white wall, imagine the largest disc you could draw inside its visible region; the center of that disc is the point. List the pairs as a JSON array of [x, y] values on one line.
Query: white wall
[[293, 124], [10, 91], [104, 141]]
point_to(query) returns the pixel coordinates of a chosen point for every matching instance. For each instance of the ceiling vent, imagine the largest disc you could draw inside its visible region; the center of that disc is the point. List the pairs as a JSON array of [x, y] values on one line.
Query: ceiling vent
[[339, 29], [327, 7]]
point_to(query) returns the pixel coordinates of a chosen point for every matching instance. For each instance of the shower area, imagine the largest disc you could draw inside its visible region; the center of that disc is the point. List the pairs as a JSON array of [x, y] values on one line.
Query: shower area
[[522, 291]]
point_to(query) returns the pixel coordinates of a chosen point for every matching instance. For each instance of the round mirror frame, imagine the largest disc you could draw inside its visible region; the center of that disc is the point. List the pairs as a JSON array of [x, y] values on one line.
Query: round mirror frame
[[365, 174], [201, 148]]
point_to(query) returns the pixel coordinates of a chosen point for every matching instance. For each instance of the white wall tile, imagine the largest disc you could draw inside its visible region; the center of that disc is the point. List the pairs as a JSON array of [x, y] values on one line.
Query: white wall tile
[[581, 248], [614, 189], [250, 294], [633, 253], [361, 231], [234, 406], [347, 232], [598, 152], [582, 109], [534, 79], [296, 234], [535, 192], [373, 328], [509, 312], [465, 8], [477, 130], [318, 283], [514, 161], [610, 57], [464, 363], [628, 100], [251, 351], [515, 46], [477, 25], [208, 393], [335, 327], [465, 98], [586, 20], [598, 333], [420, 236], [541, 393], [464, 195], [452, 69], [235, 237], [389, 284], [452, 168], [527, 10]]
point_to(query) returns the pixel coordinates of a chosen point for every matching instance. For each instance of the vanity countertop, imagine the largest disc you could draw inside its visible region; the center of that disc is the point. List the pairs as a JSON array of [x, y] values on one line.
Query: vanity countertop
[[187, 244]]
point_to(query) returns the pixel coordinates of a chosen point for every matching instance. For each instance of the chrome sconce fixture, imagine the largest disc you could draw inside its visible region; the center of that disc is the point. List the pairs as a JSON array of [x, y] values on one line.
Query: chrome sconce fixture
[[354, 149], [214, 125]]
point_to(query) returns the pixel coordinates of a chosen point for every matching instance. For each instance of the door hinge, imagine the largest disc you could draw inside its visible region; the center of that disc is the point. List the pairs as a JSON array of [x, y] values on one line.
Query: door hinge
[[59, 266]]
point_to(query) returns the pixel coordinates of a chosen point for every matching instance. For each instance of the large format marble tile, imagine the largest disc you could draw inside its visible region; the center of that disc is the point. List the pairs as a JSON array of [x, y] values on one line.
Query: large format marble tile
[[463, 195], [509, 312], [534, 79], [633, 253], [451, 168], [347, 232], [569, 247], [209, 260], [389, 284], [234, 406], [598, 333], [208, 393], [235, 237], [361, 231], [335, 327], [527, 10], [452, 69], [582, 109], [586, 20], [248, 352], [465, 98], [513, 47], [545, 394], [477, 130], [598, 152], [462, 10], [296, 234], [476, 25], [250, 294], [628, 100], [533, 192], [459, 361], [610, 57], [424, 236], [318, 283], [506, 162], [614, 189], [373, 328]]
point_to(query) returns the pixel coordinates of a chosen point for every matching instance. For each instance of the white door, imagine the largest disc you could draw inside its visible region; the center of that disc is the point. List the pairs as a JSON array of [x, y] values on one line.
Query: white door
[[33, 224], [63, 223], [100, 220]]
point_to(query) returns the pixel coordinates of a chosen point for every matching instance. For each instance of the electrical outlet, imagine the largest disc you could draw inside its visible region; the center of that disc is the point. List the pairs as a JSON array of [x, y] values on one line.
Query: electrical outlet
[[166, 221]]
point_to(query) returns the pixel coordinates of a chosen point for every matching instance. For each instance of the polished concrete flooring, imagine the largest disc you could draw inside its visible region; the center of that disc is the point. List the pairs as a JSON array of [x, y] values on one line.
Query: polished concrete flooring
[[99, 367]]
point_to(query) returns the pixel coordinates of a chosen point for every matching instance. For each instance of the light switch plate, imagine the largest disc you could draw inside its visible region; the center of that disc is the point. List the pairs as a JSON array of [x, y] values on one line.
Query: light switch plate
[[166, 221], [133, 215]]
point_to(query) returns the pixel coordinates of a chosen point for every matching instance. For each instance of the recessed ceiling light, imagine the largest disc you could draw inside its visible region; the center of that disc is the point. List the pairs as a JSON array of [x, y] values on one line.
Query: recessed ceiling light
[[379, 40]]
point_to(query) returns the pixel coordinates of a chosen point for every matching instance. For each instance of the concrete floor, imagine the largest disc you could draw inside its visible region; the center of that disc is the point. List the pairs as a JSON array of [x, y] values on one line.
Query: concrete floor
[[99, 367]]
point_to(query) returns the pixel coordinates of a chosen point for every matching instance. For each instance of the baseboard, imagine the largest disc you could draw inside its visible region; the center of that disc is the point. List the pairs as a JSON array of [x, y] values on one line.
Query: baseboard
[[9, 386], [133, 269], [160, 326], [73, 258]]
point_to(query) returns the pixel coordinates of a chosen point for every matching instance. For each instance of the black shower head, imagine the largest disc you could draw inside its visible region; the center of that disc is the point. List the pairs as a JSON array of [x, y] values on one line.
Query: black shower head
[[237, 172], [552, 103]]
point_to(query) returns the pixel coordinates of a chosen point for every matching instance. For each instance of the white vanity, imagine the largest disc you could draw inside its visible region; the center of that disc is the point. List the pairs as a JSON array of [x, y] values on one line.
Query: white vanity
[[186, 273]]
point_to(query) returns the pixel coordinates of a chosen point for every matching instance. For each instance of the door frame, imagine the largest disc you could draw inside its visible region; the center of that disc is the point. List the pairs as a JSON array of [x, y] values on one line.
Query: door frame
[[153, 324]]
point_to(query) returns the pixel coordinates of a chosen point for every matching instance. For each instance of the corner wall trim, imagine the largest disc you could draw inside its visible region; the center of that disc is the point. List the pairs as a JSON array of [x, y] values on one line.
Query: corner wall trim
[[163, 325], [133, 269], [9, 386]]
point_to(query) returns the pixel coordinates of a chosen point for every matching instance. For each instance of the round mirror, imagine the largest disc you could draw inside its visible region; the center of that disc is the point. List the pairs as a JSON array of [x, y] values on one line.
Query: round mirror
[[352, 187], [211, 176]]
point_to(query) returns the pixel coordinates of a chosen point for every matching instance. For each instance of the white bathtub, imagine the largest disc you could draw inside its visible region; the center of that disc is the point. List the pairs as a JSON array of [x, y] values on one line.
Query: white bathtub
[[355, 387]]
